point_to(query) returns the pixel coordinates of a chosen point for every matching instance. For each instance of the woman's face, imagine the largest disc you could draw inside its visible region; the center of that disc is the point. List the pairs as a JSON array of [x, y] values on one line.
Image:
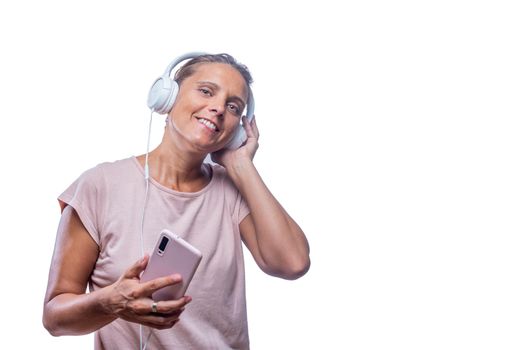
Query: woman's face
[[209, 106]]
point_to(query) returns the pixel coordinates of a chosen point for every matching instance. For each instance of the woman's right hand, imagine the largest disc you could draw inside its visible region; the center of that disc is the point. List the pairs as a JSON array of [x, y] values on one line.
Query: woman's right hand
[[131, 300]]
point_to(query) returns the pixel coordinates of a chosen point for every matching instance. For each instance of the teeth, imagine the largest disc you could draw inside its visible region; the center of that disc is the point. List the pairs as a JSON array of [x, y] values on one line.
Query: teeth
[[208, 124]]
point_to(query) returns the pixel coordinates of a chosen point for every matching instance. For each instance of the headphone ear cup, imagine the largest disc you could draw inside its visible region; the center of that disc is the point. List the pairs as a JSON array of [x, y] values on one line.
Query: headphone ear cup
[[162, 95], [239, 138]]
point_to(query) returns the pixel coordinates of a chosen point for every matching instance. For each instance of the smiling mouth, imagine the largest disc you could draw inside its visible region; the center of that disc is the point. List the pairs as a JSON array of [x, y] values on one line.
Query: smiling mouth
[[209, 124]]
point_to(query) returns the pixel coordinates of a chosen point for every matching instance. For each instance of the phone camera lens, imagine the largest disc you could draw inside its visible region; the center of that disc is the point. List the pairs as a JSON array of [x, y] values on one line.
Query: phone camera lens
[[163, 244]]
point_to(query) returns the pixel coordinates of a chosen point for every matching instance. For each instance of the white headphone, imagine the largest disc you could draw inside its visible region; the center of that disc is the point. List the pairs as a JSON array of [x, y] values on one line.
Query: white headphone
[[164, 90]]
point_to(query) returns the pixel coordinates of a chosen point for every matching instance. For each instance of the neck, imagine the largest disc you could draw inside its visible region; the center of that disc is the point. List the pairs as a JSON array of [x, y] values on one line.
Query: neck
[[175, 169]]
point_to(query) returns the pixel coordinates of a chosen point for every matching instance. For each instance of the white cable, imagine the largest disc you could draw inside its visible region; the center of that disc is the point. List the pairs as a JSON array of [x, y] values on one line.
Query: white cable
[[147, 340], [146, 194], [146, 178], [146, 167]]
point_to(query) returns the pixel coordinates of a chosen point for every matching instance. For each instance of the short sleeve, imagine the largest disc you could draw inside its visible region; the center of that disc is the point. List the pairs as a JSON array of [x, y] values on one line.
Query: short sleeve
[[236, 203], [243, 209], [84, 196]]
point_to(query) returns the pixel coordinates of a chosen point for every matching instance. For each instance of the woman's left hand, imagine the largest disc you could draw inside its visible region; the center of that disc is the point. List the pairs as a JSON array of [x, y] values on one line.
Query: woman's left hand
[[228, 157]]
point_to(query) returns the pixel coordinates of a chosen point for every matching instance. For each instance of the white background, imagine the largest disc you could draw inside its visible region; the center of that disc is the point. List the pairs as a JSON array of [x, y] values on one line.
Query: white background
[[391, 131]]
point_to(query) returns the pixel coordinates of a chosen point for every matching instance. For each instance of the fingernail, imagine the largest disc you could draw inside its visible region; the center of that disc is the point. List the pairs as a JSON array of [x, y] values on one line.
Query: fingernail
[[188, 299], [177, 277]]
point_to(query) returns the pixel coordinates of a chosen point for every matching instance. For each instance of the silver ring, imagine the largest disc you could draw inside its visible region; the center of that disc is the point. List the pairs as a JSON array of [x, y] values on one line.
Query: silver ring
[[154, 307]]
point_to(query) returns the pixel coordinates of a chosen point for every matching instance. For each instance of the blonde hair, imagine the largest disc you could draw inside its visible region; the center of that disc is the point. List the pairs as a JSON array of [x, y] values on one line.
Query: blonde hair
[[189, 68]]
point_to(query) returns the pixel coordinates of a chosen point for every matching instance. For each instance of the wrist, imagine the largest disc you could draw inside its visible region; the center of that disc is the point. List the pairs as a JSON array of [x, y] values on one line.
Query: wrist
[[239, 168], [104, 301]]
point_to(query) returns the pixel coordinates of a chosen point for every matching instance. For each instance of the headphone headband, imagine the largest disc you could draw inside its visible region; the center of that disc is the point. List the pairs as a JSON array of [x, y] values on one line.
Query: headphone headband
[[180, 59]]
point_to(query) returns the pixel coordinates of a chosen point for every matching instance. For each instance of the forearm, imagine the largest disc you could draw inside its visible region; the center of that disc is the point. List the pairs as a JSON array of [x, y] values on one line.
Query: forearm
[[281, 242], [72, 314]]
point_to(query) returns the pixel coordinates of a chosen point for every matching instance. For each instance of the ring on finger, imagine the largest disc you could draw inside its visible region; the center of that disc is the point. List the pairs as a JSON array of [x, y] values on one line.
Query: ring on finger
[[154, 307]]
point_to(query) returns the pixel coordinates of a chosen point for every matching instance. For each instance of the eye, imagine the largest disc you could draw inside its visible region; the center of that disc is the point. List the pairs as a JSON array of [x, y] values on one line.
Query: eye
[[205, 91], [233, 108]]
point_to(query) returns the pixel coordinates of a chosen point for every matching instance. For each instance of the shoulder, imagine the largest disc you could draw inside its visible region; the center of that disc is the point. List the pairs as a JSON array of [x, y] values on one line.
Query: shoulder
[[106, 173], [116, 167], [119, 171], [224, 183], [109, 166], [221, 178], [218, 171]]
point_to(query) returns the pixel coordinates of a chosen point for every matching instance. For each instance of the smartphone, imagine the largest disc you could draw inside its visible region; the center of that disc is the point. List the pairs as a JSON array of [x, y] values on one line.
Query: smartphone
[[172, 255]]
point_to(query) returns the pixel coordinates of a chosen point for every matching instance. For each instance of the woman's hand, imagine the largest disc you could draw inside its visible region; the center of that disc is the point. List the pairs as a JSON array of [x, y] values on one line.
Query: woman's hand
[[131, 300], [229, 157]]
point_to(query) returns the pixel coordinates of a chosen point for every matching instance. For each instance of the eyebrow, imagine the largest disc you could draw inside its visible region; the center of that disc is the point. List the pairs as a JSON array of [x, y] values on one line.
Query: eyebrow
[[216, 86]]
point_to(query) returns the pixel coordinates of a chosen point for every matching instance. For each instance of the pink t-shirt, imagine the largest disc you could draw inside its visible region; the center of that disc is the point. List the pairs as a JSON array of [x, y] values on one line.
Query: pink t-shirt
[[109, 200]]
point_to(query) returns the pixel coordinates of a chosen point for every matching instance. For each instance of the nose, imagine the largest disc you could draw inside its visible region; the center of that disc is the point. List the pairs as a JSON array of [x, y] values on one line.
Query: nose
[[217, 113], [217, 107]]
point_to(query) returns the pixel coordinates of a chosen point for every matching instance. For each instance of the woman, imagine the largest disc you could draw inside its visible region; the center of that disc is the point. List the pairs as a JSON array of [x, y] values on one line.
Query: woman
[[215, 208]]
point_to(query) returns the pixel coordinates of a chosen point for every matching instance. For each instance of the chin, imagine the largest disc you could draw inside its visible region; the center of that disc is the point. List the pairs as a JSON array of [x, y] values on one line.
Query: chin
[[206, 144], [205, 148]]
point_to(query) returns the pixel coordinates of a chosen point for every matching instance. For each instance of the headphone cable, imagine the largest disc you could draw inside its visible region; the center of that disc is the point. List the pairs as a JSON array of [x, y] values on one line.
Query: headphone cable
[[146, 178], [146, 195]]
